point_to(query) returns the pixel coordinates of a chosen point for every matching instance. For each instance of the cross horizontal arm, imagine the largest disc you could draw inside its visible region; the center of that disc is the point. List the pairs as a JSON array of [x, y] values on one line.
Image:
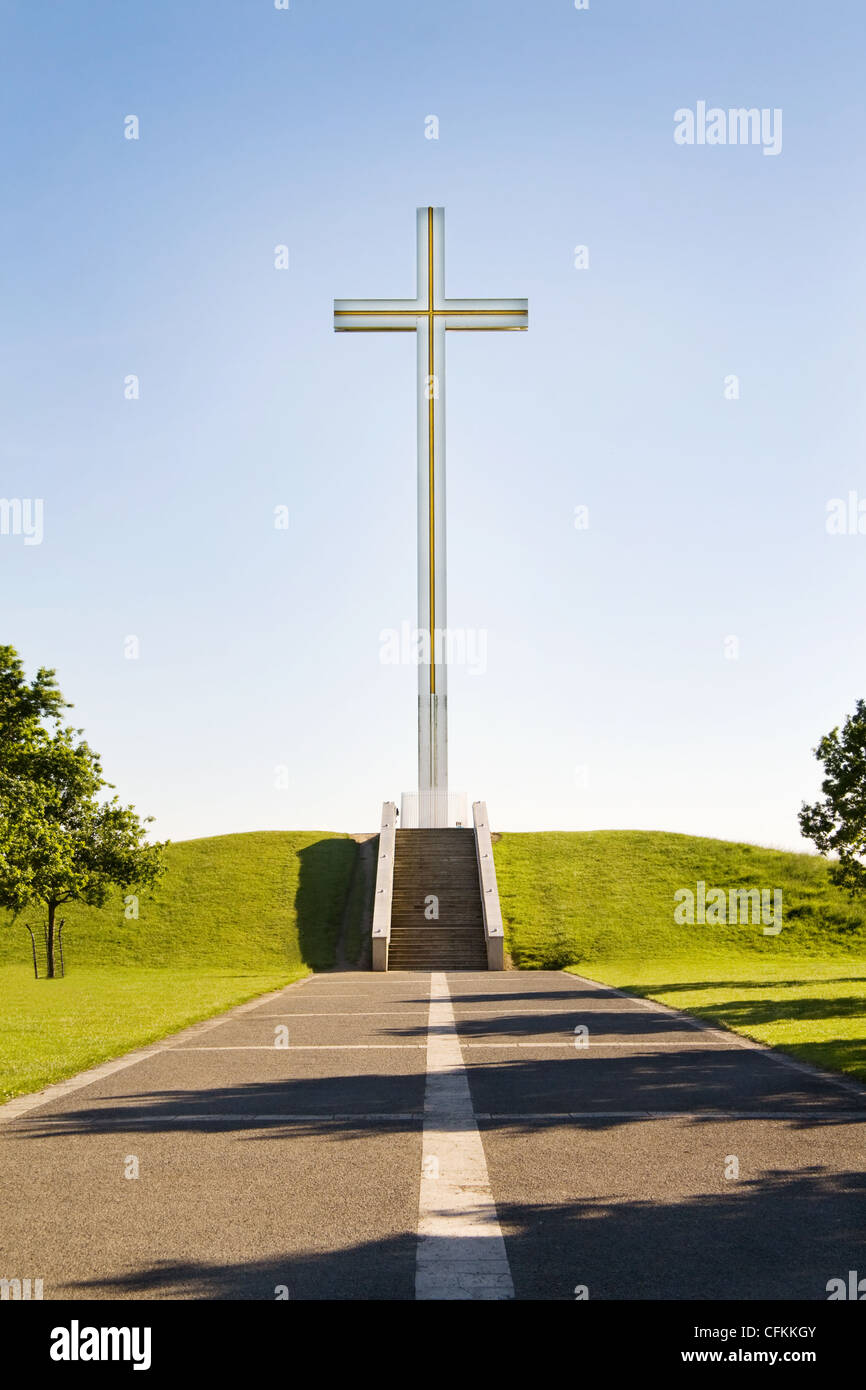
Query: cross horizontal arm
[[483, 306], [352, 315], [405, 315], [464, 314]]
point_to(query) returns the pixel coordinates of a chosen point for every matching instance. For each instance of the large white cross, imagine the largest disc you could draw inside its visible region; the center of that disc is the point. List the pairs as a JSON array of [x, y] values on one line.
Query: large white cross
[[429, 316]]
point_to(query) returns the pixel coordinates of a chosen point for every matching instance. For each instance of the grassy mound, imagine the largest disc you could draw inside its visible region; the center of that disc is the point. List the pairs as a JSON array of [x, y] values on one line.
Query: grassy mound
[[602, 904], [568, 898], [235, 916], [264, 901]]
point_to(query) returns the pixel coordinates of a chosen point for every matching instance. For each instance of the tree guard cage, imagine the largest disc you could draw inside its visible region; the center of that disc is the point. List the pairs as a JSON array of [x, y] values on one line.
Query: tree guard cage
[[40, 952]]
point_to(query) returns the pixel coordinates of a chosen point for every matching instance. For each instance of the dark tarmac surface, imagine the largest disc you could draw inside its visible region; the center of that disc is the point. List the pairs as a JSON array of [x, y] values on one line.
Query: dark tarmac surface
[[299, 1166]]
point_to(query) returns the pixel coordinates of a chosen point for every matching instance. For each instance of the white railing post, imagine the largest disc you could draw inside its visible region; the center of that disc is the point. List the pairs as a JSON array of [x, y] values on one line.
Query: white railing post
[[384, 886], [494, 932]]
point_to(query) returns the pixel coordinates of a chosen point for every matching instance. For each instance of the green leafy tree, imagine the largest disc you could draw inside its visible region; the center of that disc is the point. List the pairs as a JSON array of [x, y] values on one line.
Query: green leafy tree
[[837, 823], [23, 707], [60, 841]]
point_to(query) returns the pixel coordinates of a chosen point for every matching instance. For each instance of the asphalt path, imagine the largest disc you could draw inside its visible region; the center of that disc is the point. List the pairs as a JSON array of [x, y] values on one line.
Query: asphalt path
[[548, 1138]]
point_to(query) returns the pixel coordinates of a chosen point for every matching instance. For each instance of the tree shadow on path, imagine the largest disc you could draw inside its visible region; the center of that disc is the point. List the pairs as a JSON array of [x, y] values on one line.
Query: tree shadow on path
[[782, 1237]]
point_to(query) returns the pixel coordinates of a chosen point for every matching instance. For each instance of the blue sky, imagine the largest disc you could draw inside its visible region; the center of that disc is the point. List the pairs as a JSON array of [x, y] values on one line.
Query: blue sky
[[258, 699]]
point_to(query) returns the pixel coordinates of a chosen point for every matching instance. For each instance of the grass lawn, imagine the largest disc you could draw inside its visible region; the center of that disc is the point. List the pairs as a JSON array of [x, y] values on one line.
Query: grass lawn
[[602, 904], [235, 916], [812, 1009], [54, 1028]]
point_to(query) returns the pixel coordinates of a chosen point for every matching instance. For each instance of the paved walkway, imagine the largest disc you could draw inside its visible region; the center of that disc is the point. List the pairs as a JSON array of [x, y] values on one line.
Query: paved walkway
[[438, 1137]]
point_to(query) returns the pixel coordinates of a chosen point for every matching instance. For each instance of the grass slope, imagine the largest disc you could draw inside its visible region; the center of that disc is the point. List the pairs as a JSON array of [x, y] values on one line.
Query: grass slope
[[235, 916], [602, 903], [238, 915]]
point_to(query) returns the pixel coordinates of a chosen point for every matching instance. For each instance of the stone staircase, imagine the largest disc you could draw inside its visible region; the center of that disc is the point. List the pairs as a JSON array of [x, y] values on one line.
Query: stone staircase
[[441, 864]]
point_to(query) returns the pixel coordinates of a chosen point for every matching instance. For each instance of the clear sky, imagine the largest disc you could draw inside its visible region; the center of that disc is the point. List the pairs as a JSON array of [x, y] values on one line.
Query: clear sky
[[609, 696]]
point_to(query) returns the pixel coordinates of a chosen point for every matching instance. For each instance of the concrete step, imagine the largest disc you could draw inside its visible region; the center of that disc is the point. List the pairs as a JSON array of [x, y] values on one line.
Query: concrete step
[[413, 916], [443, 952], [438, 931], [419, 879], [416, 936], [447, 895], [461, 853], [460, 909], [447, 902], [439, 962], [442, 864]]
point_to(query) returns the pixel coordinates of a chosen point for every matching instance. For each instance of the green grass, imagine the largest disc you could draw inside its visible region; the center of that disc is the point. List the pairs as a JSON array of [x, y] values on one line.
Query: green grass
[[602, 903], [812, 1009], [238, 915], [54, 1028], [235, 916]]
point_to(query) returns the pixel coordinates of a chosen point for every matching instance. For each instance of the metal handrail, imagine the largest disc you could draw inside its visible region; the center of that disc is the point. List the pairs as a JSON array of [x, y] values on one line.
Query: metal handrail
[[494, 931], [384, 886]]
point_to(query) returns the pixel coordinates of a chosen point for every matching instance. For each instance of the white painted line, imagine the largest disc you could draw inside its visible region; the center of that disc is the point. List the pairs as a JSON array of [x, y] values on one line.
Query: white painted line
[[353, 993], [829, 1117], [597, 1044], [461, 1253], [565, 1015], [355, 1013], [309, 1047], [132, 1121], [21, 1104], [463, 1016]]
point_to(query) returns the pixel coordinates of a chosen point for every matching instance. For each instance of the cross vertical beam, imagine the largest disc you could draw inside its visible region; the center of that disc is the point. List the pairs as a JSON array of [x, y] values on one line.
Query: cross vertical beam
[[432, 551], [429, 316]]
